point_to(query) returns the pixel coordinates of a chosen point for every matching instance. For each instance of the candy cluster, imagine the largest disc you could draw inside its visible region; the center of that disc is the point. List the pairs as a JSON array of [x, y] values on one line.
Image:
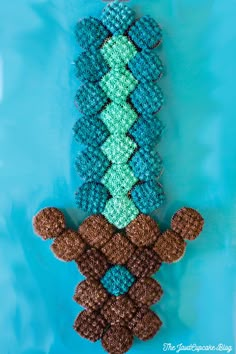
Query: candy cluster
[[119, 247], [118, 289], [120, 93]]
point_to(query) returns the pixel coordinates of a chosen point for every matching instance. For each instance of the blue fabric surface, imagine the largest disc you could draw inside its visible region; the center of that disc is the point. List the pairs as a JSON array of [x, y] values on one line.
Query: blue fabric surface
[[37, 113]]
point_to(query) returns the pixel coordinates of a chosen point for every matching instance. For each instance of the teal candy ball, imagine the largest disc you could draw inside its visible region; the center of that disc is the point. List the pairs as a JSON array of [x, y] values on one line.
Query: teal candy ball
[[117, 17], [147, 130], [91, 131], [146, 33], [91, 66], [147, 98], [92, 197], [91, 164], [146, 66], [146, 164], [148, 196], [90, 98], [117, 280], [90, 33]]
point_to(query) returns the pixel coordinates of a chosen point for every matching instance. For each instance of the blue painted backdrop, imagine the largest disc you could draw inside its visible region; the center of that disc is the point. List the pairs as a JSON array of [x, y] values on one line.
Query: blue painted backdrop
[[37, 86]]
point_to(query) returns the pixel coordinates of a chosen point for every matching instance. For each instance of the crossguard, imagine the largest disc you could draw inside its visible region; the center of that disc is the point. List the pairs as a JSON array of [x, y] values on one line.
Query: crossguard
[[118, 265]]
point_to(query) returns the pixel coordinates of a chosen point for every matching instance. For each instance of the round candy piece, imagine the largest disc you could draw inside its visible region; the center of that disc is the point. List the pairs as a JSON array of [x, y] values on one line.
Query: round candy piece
[[118, 249], [91, 66], [117, 340], [90, 33], [120, 211], [91, 131], [68, 246], [188, 223], [146, 33], [143, 231], [96, 230], [90, 98], [92, 197], [90, 294], [117, 280], [148, 196], [146, 66], [145, 324], [91, 164], [119, 310], [147, 98], [117, 17], [92, 264], [146, 292], [144, 263], [146, 164], [147, 130], [49, 223], [170, 247], [90, 325]]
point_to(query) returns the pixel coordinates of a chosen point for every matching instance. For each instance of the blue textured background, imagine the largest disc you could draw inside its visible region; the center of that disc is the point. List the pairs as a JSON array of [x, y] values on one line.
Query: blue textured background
[[37, 86]]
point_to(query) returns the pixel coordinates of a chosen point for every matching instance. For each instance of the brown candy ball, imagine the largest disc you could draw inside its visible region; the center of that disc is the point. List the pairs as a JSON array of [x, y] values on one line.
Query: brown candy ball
[[118, 250], [90, 325], [90, 294], [96, 230], [144, 262], [146, 291], [170, 247], [188, 223], [49, 223], [117, 340], [93, 264], [145, 324], [143, 231], [118, 310], [68, 246]]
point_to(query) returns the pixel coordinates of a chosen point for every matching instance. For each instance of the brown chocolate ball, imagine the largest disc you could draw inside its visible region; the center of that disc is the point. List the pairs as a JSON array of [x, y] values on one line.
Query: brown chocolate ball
[[90, 325], [143, 231], [145, 324], [49, 223], [145, 292], [118, 310], [118, 250], [117, 340], [68, 246], [96, 230], [144, 262], [90, 294], [187, 223], [170, 247], [93, 264]]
